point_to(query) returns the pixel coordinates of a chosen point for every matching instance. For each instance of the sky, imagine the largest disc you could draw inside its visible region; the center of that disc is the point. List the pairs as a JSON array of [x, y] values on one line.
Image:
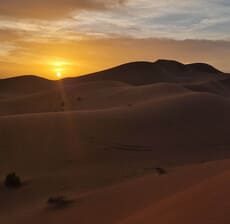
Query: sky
[[60, 38]]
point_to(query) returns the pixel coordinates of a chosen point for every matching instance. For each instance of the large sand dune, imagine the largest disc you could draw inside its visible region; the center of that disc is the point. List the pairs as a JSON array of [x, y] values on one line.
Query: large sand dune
[[98, 140], [206, 202], [192, 193]]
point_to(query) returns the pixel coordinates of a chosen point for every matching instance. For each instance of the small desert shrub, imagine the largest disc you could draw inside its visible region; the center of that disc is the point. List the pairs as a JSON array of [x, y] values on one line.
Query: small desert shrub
[[59, 202], [160, 171], [12, 181]]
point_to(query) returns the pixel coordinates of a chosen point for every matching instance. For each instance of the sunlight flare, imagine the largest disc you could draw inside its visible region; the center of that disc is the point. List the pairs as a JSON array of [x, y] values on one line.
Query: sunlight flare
[[60, 66]]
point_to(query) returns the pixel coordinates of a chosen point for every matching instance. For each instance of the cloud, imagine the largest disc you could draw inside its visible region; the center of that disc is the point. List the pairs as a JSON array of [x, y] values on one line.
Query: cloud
[[51, 9], [6, 49], [177, 19]]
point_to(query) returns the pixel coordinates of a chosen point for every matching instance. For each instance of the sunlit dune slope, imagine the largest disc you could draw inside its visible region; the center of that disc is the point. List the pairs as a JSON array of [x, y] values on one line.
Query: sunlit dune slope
[[193, 193], [207, 202]]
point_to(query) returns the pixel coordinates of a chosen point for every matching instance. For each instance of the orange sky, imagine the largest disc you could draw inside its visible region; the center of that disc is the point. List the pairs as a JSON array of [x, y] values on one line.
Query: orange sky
[[80, 37]]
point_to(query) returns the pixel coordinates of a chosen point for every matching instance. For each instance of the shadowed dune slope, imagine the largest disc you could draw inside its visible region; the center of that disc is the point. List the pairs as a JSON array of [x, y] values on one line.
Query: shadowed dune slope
[[137, 73], [179, 126], [123, 85], [23, 85], [88, 96], [142, 73]]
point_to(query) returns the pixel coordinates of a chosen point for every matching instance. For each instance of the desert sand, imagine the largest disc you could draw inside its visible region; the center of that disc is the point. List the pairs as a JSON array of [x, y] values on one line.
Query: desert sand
[[98, 139]]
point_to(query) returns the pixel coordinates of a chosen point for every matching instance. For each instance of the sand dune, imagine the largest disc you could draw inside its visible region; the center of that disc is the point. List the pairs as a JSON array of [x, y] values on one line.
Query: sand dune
[[89, 96], [142, 73], [98, 139], [178, 122], [206, 202], [24, 85], [110, 88], [140, 199], [102, 95]]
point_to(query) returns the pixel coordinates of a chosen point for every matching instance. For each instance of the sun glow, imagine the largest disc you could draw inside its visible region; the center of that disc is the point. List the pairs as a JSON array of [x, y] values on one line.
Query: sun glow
[[59, 75], [60, 67]]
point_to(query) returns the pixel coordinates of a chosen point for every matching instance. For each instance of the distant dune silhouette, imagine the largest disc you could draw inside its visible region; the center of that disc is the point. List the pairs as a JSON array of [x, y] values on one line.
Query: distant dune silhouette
[[137, 73], [140, 73]]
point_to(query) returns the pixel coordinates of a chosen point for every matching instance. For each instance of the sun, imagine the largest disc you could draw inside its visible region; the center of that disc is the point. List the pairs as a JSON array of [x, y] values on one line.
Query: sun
[[59, 67], [59, 75]]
